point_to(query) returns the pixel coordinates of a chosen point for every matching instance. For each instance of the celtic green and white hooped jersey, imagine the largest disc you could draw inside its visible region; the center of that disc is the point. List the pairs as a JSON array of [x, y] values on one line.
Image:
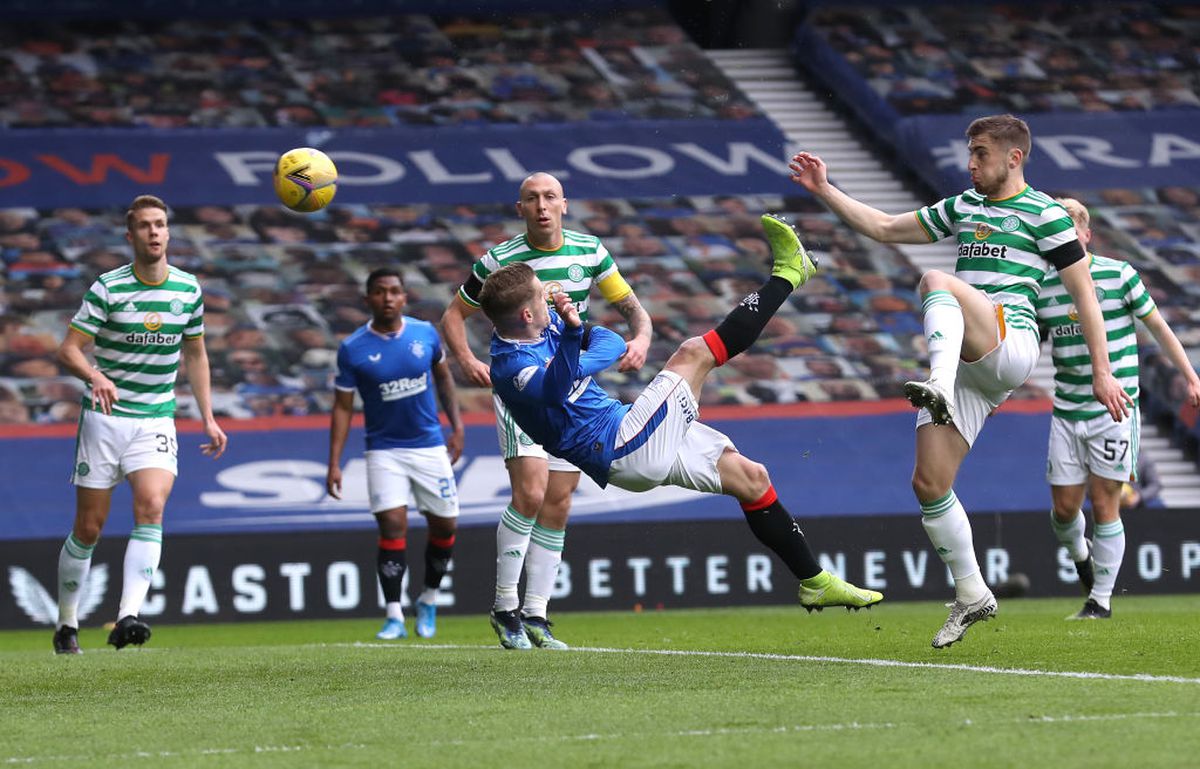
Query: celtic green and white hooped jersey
[[1122, 298], [579, 262], [138, 331], [1002, 244]]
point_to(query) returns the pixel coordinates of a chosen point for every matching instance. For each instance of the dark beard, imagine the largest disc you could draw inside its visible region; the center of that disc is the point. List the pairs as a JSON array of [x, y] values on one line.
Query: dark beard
[[994, 187]]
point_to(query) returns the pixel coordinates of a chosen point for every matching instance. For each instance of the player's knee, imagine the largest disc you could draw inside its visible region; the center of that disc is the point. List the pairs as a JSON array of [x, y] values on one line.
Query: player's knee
[[757, 476], [528, 488], [693, 350], [928, 486], [934, 280], [441, 527], [87, 532], [554, 511], [528, 501], [744, 478], [149, 508]]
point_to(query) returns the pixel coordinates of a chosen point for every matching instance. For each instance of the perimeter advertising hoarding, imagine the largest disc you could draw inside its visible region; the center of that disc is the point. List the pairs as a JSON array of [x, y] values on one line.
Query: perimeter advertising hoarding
[[619, 566], [460, 164]]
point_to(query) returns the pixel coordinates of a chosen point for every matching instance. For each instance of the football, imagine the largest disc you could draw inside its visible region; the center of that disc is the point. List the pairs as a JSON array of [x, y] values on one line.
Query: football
[[305, 179]]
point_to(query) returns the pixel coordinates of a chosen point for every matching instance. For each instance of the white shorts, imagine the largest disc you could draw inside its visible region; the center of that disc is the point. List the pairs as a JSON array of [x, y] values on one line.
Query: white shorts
[[1098, 446], [424, 475], [108, 448], [660, 443], [515, 443], [985, 384]]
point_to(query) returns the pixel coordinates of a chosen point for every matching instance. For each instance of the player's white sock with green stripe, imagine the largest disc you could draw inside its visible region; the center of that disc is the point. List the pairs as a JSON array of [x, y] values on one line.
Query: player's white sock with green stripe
[[944, 336], [949, 530], [1071, 535], [512, 540], [74, 563], [142, 555], [1108, 550], [541, 568]]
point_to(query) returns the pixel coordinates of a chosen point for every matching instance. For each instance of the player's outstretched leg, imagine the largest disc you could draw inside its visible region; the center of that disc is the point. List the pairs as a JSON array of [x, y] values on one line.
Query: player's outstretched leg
[[963, 616], [742, 326], [792, 262], [129, 630], [774, 526], [827, 589]]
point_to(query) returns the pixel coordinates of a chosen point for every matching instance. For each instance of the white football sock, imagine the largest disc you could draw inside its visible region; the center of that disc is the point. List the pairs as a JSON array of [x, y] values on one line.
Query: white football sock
[[512, 540], [74, 563], [944, 328], [541, 569], [1071, 535], [1108, 550], [949, 530], [142, 555]]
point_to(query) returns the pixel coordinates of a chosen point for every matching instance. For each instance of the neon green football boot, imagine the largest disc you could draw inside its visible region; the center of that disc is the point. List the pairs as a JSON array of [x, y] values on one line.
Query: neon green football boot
[[827, 589], [792, 262]]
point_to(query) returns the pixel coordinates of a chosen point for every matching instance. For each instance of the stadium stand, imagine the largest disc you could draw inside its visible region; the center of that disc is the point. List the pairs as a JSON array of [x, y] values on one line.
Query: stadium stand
[[283, 289], [1048, 57], [364, 72]]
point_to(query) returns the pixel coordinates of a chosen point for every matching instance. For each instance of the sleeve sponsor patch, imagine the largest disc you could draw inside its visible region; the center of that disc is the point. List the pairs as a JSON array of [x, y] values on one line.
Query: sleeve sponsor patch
[[523, 376]]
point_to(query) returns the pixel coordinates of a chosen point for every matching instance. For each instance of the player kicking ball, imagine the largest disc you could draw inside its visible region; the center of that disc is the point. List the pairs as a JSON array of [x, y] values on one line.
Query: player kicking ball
[[542, 364]]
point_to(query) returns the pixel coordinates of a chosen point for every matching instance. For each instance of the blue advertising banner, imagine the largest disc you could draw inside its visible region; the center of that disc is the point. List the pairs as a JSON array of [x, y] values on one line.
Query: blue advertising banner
[[274, 479], [101, 167], [1127, 149]]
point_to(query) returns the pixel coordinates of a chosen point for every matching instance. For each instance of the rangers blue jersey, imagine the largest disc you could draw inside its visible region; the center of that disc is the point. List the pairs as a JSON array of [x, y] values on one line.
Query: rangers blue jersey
[[548, 387], [392, 373]]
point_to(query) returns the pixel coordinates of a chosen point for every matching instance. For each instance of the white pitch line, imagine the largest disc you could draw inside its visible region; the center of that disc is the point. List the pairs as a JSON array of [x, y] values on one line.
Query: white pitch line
[[870, 662]]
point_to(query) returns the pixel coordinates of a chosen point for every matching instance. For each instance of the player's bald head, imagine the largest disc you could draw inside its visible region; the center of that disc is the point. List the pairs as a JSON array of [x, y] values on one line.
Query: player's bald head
[[541, 180]]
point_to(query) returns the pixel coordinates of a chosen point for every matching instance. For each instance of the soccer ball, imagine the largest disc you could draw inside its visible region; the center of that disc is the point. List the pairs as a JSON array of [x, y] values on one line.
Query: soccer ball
[[305, 179]]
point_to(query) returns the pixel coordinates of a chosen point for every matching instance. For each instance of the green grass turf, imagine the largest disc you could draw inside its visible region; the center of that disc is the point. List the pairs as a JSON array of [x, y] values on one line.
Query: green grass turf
[[309, 694]]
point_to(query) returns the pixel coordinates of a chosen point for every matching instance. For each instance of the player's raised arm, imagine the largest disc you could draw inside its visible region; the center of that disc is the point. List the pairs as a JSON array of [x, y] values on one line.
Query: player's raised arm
[[601, 348], [810, 172]]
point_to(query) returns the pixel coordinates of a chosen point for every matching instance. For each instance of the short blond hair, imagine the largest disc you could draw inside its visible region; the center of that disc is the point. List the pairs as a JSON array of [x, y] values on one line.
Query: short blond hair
[[140, 202], [1077, 211]]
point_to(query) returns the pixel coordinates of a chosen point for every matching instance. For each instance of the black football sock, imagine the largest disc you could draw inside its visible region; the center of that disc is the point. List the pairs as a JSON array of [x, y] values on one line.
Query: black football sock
[[390, 563], [776, 529], [745, 322]]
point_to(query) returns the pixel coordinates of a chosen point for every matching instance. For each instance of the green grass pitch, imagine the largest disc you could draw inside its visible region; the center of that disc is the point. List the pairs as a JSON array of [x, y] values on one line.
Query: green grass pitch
[[728, 688]]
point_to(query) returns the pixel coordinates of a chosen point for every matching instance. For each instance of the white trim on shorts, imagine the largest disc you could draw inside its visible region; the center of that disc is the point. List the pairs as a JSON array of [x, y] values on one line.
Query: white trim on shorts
[[982, 385], [424, 475], [515, 443], [108, 448], [1079, 448], [666, 444]]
